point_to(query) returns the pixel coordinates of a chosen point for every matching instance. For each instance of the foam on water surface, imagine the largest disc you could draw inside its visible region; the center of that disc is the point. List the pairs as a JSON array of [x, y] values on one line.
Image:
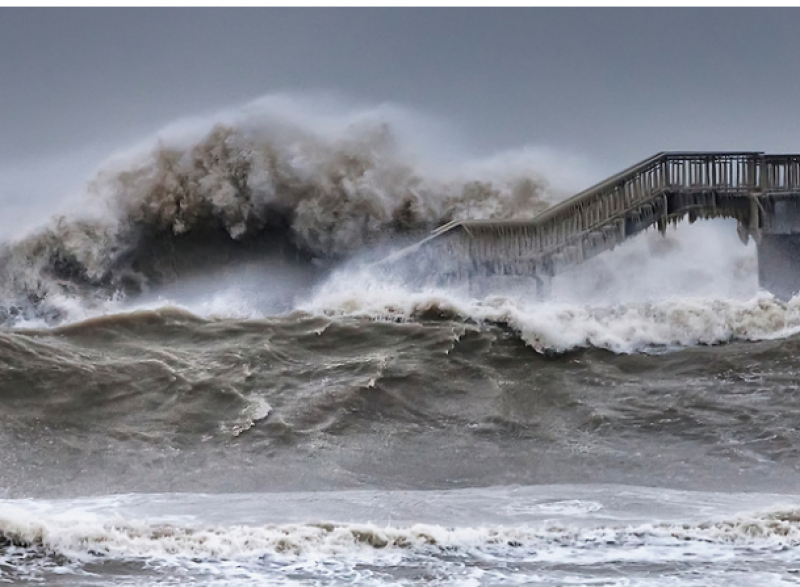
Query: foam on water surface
[[504, 535]]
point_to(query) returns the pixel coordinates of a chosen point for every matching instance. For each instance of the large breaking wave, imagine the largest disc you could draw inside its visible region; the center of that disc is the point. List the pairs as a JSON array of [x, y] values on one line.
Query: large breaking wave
[[270, 177]]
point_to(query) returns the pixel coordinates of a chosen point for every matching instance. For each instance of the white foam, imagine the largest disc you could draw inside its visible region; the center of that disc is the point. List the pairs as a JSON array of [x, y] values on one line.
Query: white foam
[[85, 535], [556, 535], [256, 410], [634, 325], [623, 327]]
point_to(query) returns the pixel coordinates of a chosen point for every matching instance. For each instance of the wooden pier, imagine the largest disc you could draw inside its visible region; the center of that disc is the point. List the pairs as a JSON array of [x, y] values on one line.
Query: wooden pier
[[762, 192]]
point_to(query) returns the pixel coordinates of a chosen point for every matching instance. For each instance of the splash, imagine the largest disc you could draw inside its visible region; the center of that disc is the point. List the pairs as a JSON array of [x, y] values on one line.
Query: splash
[[698, 309], [268, 177]]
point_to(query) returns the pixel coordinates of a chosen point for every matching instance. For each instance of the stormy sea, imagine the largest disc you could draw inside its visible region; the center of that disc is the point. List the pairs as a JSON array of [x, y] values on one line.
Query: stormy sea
[[208, 377]]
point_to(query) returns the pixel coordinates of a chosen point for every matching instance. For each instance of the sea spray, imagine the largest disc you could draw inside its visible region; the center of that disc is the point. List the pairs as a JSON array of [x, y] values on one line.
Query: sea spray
[[554, 326], [253, 180]]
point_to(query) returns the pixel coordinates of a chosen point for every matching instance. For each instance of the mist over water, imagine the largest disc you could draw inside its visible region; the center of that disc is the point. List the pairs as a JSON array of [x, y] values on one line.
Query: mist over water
[[206, 378]]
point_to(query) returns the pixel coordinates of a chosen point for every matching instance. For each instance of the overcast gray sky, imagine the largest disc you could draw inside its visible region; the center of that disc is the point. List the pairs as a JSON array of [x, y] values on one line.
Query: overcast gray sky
[[614, 85]]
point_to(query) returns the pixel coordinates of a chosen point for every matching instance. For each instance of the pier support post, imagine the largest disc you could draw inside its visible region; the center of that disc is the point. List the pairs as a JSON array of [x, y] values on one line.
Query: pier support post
[[779, 264], [779, 247], [544, 286]]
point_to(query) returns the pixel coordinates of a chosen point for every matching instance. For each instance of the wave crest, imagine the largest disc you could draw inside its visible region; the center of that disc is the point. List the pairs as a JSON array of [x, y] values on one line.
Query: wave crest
[[315, 192], [92, 536], [548, 327]]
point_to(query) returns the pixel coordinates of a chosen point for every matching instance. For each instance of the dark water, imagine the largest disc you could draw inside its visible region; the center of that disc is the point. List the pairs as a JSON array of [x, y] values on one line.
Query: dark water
[[162, 400]]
